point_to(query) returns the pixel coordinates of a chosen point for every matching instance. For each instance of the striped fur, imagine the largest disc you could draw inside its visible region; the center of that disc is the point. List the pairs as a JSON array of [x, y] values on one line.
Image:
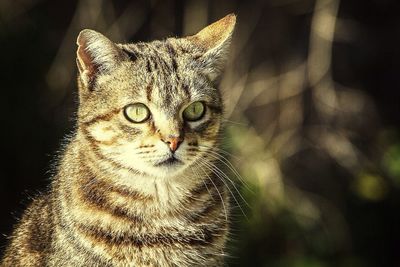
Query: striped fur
[[113, 202]]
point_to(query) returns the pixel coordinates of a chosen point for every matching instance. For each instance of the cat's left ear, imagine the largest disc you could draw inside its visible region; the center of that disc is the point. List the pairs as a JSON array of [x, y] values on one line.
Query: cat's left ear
[[96, 55], [214, 40]]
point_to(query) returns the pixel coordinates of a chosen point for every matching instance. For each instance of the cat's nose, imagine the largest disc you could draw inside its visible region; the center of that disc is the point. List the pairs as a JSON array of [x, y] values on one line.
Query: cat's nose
[[173, 141]]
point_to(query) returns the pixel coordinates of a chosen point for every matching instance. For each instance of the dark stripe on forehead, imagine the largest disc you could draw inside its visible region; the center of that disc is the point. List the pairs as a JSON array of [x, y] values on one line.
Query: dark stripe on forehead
[[149, 90], [170, 49], [173, 55], [164, 58], [141, 48], [131, 55], [185, 89], [148, 66], [175, 68], [155, 64], [162, 65]]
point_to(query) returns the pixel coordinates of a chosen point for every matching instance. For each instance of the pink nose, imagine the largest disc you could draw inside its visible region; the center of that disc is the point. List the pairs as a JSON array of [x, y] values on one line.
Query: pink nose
[[173, 142]]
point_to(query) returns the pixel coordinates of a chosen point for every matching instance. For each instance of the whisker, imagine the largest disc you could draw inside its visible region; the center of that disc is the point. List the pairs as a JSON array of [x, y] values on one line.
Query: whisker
[[221, 150], [235, 122], [227, 163], [232, 182], [218, 173], [145, 152], [198, 176], [219, 193]]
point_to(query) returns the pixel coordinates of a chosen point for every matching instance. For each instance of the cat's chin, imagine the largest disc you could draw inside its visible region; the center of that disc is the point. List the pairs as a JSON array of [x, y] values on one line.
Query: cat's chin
[[168, 168], [169, 162]]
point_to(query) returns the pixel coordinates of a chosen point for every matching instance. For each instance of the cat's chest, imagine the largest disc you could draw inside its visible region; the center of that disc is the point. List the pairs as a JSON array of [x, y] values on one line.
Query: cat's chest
[[168, 241], [169, 248]]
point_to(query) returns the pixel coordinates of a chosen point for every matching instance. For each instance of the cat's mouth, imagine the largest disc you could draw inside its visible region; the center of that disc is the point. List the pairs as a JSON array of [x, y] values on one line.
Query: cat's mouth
[[171, 161]]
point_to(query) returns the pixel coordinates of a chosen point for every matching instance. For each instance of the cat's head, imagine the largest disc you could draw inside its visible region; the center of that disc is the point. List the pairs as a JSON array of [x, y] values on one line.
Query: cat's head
[[152, 107]]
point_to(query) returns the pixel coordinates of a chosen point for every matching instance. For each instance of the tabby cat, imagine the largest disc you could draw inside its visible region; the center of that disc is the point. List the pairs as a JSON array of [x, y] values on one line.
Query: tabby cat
[[136, 184]]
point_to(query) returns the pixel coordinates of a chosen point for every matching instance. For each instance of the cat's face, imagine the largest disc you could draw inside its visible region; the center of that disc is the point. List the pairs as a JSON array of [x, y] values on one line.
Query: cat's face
[[151, 107]]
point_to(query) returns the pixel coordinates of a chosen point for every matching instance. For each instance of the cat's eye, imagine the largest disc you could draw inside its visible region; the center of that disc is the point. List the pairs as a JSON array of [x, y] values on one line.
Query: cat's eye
[[194, 111], [137, 112]]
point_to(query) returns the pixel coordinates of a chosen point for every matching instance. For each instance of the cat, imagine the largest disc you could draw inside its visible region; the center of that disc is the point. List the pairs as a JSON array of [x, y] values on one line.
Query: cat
[[136, 184]]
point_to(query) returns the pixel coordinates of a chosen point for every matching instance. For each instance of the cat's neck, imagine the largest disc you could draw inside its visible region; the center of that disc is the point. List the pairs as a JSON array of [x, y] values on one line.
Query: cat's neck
[[80, 164]]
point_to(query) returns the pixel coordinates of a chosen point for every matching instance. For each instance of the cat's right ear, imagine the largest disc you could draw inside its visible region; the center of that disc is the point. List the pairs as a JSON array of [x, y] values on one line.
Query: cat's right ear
[[96, 55]]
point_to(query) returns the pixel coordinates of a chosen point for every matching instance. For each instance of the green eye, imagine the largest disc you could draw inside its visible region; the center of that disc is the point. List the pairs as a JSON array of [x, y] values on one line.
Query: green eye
[[137, 112], [194, 111]]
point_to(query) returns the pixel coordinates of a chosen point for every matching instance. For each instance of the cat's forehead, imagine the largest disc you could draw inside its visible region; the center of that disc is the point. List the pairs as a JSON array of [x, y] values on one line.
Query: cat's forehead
[[160, 74]]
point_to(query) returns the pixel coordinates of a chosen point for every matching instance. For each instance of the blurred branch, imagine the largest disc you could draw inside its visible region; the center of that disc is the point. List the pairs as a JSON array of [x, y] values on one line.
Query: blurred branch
[[10, 10], [320, 55]]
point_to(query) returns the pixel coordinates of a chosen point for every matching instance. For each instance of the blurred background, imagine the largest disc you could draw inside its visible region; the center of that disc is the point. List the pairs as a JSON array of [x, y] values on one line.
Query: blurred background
[[312, 93]]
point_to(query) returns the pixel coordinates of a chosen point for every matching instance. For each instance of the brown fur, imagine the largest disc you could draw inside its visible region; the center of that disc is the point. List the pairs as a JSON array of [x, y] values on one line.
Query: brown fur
[[113, 201]]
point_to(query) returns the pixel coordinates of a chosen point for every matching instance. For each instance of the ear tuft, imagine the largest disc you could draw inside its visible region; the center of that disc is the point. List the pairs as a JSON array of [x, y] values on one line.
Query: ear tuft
[[96, 54], [215, 34], [214, 40]]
